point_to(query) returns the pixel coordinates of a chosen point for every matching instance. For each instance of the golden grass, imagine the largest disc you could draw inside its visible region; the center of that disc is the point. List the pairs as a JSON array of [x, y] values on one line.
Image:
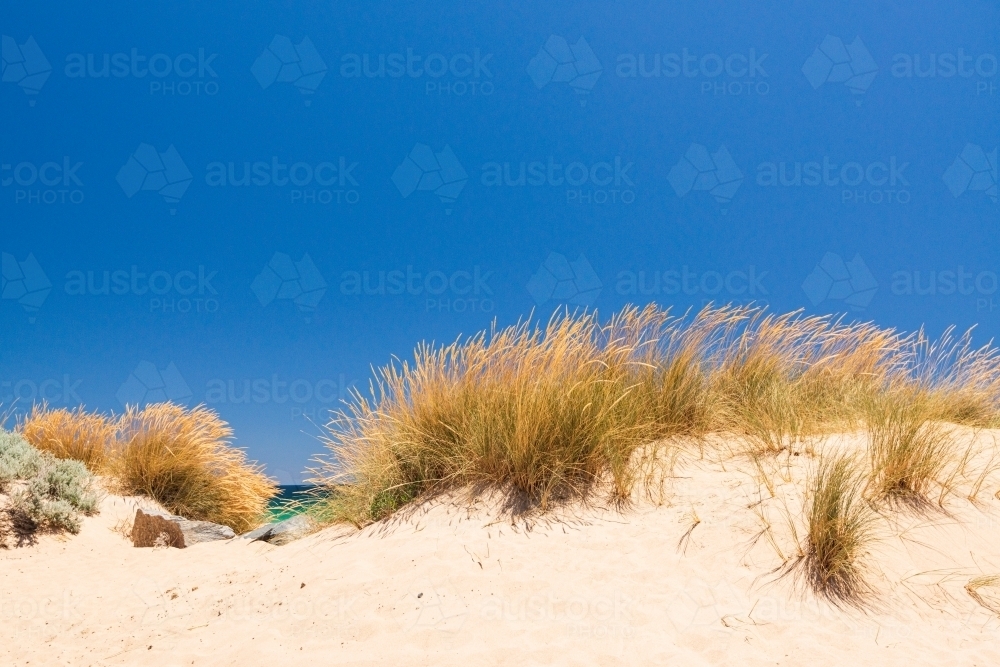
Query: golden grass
[[66, 434], [543, 414], [908, 451], [985, 590], [839, 528], [779, 378], [182, 459], [558, 412]]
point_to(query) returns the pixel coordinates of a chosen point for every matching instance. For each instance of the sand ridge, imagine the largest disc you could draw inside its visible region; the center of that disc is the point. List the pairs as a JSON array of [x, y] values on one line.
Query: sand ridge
[[448, 583]]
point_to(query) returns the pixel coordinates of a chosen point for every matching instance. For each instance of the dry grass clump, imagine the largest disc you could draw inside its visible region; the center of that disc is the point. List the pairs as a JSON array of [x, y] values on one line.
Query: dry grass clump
[[985, 590], [179, 457], [908, 451], [550, 413], [840, 526], [182, 459], [961, 384], [544, 414], [82, 436], [779, 378]]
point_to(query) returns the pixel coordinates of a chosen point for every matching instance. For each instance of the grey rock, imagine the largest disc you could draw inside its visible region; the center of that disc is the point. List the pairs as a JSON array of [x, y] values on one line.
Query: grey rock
[[156, 529], [283, 532], [259, 533]]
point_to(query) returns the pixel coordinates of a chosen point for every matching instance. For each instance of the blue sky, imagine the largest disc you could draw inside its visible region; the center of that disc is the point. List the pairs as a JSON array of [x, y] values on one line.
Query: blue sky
[[250, 206]]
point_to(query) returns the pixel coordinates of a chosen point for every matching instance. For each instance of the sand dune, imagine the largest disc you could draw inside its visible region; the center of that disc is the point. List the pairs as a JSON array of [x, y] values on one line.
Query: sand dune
[[447, 583]]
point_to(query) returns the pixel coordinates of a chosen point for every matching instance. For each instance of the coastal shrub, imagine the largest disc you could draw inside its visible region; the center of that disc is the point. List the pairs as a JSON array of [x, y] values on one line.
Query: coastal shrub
[[66, 481], [18, 459], [182, 459], [45, 493], [39, 512], [552, 413], [71, 434]]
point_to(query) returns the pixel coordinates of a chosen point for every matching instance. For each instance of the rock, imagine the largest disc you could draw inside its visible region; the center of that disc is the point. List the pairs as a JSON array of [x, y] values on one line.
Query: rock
[[259, 533], [155, 529], [283, 532]]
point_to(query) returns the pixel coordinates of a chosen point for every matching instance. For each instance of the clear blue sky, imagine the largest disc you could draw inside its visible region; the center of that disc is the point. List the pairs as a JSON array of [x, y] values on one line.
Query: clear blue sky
[[250, 204]]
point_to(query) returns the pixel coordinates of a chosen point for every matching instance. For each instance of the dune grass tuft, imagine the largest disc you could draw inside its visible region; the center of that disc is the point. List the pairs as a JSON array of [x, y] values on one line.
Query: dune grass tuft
[[543, 414], [182, 459], [78, 435], [985, 590], [555, 412], [779, 378], [908, 450], [839, 529]]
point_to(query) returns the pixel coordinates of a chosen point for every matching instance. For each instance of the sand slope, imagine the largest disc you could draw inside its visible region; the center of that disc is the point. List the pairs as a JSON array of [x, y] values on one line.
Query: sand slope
[[450, 585]]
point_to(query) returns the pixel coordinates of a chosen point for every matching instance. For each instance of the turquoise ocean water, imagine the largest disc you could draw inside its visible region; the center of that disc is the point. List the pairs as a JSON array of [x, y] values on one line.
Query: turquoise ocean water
[[290, 500]]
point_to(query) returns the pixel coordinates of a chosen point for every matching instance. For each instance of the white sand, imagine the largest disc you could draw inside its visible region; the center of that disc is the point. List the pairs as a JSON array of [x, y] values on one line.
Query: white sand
[[452, 586]]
